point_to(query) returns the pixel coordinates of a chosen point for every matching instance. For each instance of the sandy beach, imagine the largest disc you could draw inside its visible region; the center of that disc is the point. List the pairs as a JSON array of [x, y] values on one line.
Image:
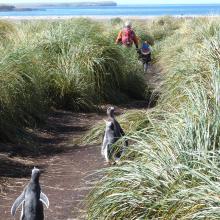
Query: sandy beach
[[66, 17]]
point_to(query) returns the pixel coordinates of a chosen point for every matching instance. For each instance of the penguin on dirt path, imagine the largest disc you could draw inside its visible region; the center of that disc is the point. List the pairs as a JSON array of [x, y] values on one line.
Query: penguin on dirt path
[[31, 199]]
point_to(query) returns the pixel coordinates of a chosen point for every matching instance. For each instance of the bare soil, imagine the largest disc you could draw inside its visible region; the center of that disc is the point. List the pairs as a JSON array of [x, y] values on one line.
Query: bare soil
[[66, 168]]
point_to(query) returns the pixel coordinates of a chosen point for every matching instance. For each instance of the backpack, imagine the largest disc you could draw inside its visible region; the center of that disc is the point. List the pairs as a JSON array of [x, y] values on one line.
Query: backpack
[[127, 36]]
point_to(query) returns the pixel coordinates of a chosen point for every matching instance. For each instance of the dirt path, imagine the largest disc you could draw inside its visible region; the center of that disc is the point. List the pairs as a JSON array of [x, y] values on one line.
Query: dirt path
[[65, 167]]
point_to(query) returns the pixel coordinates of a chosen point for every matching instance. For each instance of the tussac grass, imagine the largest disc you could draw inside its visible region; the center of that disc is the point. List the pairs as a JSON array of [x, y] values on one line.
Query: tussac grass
[[70, 64], [171, 170]]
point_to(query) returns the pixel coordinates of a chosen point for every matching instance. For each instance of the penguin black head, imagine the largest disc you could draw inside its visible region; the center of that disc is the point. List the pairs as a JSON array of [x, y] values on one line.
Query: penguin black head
[[110, 112], [35, 174]]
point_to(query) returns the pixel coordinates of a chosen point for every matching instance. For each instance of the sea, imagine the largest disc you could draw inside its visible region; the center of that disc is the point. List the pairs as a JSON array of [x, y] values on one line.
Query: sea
[[123, 10]]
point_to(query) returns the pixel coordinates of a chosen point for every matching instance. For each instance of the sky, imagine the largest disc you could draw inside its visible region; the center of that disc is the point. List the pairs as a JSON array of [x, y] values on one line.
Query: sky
[[119, 1]]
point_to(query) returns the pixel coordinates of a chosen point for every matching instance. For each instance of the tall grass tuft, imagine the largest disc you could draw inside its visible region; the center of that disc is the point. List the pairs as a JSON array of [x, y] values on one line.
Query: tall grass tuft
[[171, 169], [69, 64]]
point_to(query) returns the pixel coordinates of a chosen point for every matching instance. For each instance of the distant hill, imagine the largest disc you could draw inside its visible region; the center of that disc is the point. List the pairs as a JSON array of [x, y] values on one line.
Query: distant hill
[[104, 3], [75, 4], [7, 7], [4, 7], [37, 6]]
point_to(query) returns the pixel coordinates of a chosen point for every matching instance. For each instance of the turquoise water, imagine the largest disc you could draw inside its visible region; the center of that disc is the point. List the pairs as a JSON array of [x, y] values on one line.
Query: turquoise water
[[123, 10]]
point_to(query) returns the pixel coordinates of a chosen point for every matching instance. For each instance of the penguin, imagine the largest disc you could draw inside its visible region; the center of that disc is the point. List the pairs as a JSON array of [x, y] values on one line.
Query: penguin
[[113, 132], [31, 199]]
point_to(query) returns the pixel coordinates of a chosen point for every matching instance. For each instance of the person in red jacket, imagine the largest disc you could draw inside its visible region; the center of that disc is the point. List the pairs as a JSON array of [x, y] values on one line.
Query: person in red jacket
[[127, 36]]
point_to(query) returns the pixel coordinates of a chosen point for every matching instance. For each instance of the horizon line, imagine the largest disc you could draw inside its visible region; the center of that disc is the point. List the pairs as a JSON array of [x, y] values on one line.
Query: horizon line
[[42, 3]]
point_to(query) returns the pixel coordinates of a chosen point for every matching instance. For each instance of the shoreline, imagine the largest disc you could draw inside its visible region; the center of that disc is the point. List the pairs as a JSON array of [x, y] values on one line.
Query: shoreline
[[98, 17]]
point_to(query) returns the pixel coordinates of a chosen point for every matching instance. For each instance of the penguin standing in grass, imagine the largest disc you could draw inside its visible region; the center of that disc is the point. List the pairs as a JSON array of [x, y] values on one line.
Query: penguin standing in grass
[[31, 199], [113, 132]]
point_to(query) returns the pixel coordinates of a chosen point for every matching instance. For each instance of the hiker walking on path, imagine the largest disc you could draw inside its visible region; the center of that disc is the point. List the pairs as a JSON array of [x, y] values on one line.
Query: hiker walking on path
[[127, 36]]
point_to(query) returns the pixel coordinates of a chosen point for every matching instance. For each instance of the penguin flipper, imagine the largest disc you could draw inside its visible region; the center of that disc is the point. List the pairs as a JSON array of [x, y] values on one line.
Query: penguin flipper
[[19, 201], [22, 217], [44, 199]]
